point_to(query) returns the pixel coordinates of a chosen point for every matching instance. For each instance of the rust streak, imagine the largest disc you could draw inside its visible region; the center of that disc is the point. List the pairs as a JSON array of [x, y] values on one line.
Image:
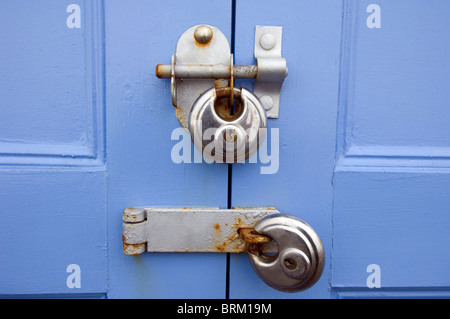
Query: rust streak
[[203, 45], [251, 236], [132, 249], [222, 247], [235, 243], [158, 71]]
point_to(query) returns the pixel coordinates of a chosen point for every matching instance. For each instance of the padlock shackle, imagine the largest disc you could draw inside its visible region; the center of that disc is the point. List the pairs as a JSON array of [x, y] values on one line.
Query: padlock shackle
[[225, 92]]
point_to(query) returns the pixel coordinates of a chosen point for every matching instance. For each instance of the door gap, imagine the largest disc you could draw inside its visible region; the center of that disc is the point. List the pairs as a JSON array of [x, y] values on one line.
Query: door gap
[[230, 168]]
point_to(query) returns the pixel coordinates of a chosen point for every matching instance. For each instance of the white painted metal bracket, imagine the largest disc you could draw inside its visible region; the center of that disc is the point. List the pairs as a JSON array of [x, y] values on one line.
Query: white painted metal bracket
[[190, 229]]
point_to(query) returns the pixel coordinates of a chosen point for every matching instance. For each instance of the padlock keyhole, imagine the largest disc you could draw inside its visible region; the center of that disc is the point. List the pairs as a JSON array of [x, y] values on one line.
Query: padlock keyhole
[[290, 263]]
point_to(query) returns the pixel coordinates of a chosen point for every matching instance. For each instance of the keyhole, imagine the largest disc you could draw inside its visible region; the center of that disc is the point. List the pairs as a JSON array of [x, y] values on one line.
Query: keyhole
[[230, 135], [290, 263]]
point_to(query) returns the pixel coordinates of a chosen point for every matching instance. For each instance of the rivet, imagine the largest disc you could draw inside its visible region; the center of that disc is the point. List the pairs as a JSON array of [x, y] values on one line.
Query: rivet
[[267, 102], [203, 34], [267, 41]]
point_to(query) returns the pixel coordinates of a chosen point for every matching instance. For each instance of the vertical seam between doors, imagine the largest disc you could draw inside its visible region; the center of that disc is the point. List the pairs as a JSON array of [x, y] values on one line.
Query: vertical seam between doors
[[230, 167]]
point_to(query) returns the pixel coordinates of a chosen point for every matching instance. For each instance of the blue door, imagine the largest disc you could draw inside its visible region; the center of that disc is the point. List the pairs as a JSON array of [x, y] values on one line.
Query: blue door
[[361, 148], [363, 144], [52, 149]]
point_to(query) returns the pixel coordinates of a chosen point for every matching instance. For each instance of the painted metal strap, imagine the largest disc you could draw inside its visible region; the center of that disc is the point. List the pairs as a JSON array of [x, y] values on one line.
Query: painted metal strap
[[190, 229]]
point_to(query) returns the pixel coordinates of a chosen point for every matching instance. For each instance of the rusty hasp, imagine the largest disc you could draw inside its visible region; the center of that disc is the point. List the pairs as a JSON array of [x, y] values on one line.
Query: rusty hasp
[[203, 56], [194, 230]]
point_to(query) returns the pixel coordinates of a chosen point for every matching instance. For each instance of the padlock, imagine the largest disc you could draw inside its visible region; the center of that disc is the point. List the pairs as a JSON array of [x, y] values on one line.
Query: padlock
[[300, 259], [226, 137]]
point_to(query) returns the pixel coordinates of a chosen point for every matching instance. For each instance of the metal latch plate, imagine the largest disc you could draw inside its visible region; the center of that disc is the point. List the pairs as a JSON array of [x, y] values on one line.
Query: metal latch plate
[[190, 229]]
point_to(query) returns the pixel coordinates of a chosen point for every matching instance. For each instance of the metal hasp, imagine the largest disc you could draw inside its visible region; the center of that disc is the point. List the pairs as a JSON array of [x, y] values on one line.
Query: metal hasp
[[284, 251], [189, 229], [203, 61]]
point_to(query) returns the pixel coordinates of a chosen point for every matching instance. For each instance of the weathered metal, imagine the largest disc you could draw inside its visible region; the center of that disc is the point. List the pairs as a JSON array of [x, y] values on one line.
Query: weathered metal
[[190, 229], [207, 71], [203, 55], [251, 236], [226, 138], [300, 259], [272, 68]]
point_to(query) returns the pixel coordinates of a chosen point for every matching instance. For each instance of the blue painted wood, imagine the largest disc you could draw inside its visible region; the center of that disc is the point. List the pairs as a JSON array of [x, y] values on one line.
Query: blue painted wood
[[392, 293], [85, 131], [140, 121], [391, 179], [382, 198], [52, 218], [398, 220], [51, 80], [52, 172], [307, 127]]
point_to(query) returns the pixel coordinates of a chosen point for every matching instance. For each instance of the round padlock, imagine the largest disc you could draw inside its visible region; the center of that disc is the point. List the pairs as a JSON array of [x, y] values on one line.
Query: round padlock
[[300, 259], [224, 137]]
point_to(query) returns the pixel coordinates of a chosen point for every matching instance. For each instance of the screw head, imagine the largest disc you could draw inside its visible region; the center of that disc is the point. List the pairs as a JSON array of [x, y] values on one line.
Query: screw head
[[203, 34], [267, 41]]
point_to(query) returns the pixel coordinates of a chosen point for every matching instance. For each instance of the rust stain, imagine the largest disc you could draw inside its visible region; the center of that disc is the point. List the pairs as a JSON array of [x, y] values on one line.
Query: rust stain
[[232, 243], [203, 45], [251, 236], [132, 249], [133, 246], [159, 71], [235, 243], [222, 247], [220, 83], [245, 71]]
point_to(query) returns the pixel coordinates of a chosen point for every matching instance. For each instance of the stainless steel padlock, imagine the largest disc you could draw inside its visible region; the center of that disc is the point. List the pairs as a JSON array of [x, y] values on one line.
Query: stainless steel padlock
[[223, 137], [300, 259]]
